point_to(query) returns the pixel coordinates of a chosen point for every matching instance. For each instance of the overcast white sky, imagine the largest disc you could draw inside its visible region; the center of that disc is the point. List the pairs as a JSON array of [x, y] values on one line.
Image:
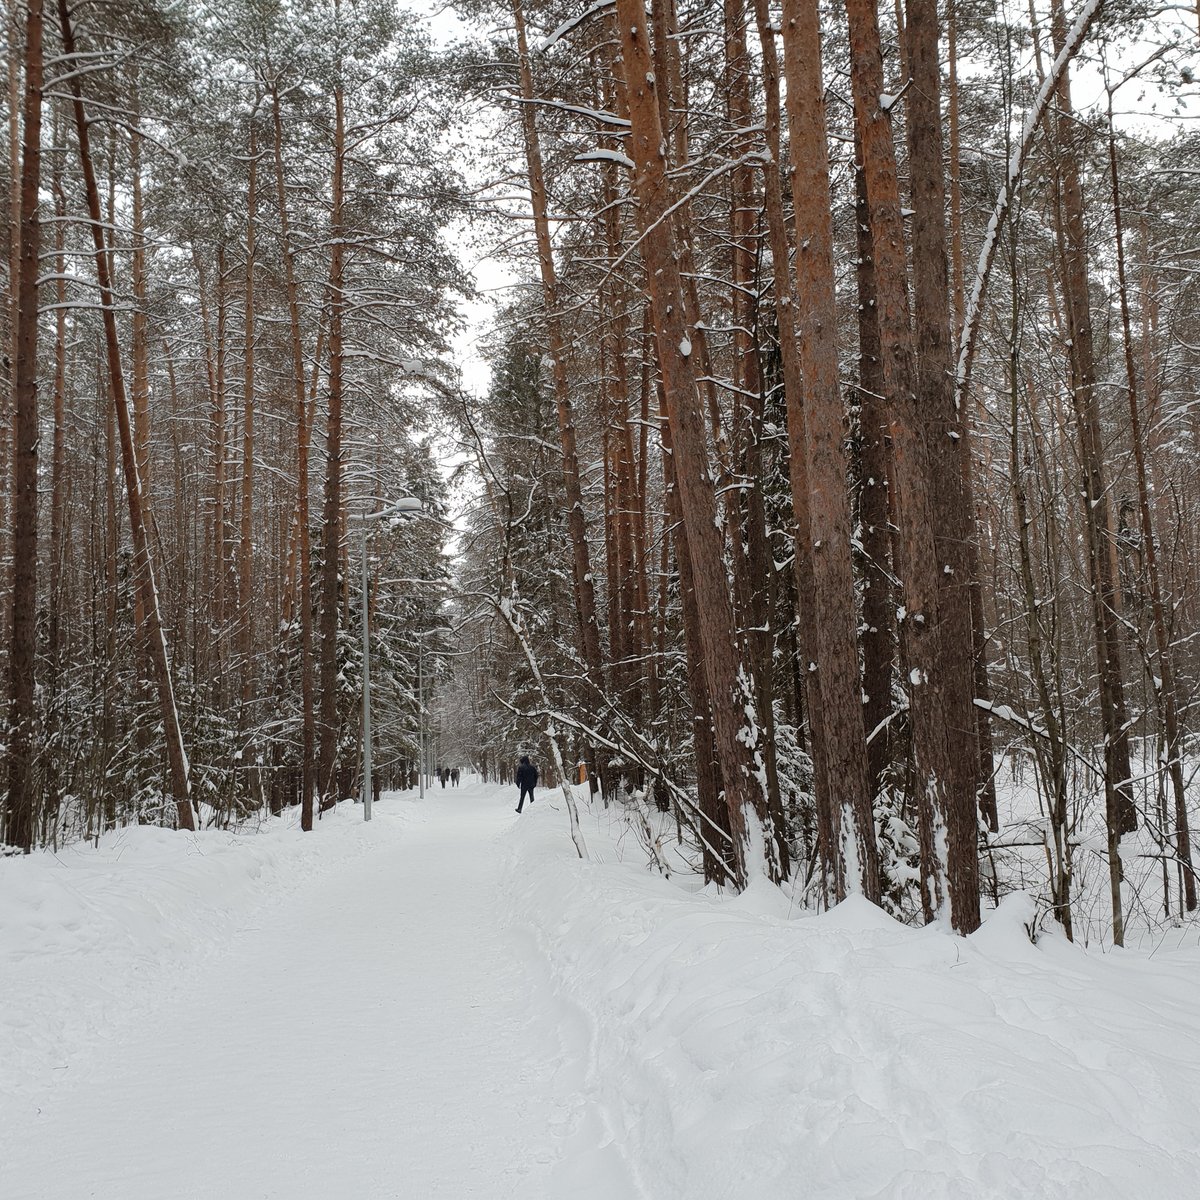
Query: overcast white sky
[[492, 276]]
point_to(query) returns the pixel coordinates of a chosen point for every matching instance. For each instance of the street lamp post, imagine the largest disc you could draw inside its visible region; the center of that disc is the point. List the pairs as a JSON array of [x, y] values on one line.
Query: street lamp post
[[406, 505]]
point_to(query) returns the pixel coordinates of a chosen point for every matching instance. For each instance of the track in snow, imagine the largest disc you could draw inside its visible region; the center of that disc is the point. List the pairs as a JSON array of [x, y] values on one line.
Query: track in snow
[[382, 1034]]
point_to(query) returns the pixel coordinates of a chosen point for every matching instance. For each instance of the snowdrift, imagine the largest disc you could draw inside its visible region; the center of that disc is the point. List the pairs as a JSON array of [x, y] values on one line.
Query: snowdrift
[[92, 934], [740, 1050]]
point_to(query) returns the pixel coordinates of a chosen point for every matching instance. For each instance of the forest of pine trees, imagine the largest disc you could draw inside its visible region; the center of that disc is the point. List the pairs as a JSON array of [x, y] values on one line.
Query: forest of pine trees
[[834, 501]]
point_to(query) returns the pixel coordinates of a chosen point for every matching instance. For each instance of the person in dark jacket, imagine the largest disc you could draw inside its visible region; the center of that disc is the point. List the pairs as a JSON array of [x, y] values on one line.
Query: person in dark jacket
[[527, 777]]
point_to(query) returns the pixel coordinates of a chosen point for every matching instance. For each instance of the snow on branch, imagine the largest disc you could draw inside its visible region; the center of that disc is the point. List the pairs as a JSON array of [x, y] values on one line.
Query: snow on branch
[[1003, 712], [573, 23], [612, 156], [1016, 164], [600, 115]]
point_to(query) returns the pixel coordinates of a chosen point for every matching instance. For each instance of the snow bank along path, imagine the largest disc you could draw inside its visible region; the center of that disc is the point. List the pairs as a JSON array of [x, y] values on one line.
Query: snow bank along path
[[748, 1051], [172, 1026]]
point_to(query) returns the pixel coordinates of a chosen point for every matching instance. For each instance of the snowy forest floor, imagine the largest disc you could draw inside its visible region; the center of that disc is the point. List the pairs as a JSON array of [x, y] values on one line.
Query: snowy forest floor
[[447, 1002]]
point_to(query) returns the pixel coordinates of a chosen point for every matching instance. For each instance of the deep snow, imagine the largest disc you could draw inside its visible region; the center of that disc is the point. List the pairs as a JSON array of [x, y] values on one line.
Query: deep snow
[[180, 1029], [447, 1002]]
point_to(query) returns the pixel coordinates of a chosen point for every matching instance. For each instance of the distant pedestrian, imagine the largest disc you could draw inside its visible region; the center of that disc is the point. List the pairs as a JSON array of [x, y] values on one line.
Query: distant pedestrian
[[454, 776], [443, 774], [527, 777]]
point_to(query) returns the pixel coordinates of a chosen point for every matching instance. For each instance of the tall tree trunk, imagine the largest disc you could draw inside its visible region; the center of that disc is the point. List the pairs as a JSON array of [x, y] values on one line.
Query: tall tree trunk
[[716, 840], [140, 319], [206, 623], [643, 540], [21, 814], [143, 567], [309, 738], [947, 443], [671, 97], [585, 592], [108, 717], [12, 18], [793, 391], [139, 378], [747, 550], [329, 726], [220, 424], [953, 130], [58, 469], [983, 728], [878, 608], [1164, 684], [608, 400], [1072, 241], [246, 544], [849, 817], [737, 731], [754, 564], [910, 483]]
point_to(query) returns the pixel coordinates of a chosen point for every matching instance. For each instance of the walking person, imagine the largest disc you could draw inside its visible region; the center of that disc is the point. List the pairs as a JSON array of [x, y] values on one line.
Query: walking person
[[527, 777]]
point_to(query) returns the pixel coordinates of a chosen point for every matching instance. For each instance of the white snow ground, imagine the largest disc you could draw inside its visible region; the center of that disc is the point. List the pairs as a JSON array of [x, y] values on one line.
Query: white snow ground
[[180, 1029], [448, 1003]]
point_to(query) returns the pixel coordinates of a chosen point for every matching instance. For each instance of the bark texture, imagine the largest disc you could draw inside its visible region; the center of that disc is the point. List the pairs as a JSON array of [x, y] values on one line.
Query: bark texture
[[23, 649], [847, 801], [737, 733], [143, 567], [947, 439]]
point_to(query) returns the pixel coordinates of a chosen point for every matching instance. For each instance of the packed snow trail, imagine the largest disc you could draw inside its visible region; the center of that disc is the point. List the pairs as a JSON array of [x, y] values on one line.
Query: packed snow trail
[[380, 1034]]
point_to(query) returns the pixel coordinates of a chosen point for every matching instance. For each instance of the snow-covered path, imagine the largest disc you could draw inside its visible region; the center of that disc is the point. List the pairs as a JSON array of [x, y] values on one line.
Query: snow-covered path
[[448, 1002], [379, 1034]]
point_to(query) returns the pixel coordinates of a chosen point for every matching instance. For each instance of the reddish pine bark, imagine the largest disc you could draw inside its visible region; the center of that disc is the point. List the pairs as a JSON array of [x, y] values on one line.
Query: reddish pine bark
[[309, 738], [947, 445], [793, 389], [737, 733], [755, 564], [840, 719], [329, 726], [21, 803], [913, 546], [716, 844], [1071, 230], [246, 545], [878, 608], [143, 567], [585, 592]]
